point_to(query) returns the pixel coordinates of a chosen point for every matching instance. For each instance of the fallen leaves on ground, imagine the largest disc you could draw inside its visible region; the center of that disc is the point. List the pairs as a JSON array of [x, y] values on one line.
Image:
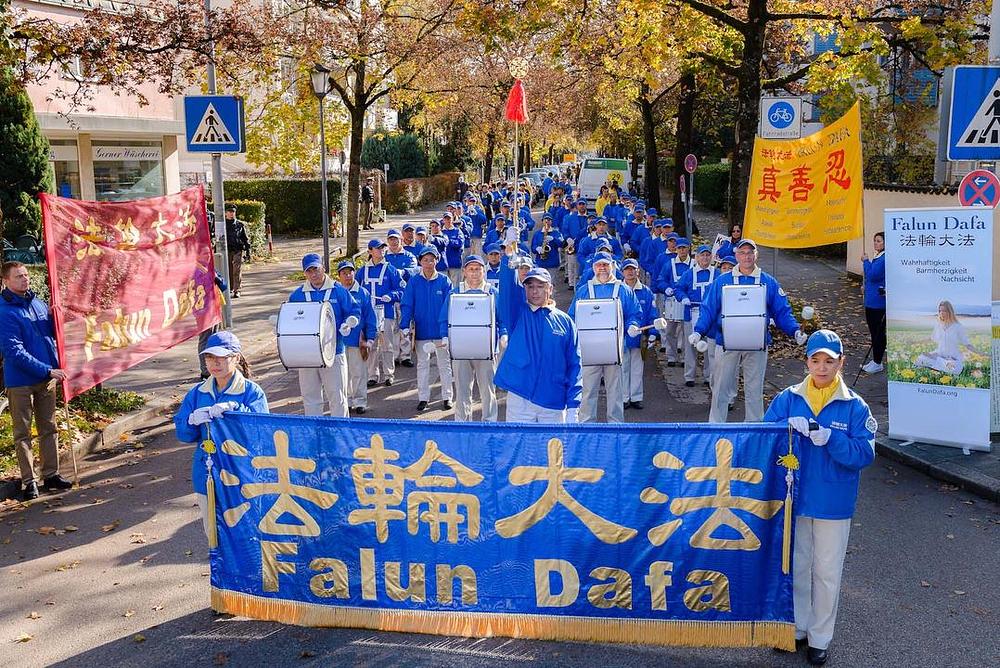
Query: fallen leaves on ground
[[138, 637], [111, 527], [138, 538], [24, 637], [128, 613], [33, 615]]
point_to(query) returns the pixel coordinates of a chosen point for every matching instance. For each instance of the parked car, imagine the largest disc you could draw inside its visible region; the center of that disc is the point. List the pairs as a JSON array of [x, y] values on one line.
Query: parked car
[[27, 248]]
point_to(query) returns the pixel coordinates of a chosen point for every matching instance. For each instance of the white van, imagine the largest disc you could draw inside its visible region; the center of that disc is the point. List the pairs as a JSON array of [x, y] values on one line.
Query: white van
[[595, 172]]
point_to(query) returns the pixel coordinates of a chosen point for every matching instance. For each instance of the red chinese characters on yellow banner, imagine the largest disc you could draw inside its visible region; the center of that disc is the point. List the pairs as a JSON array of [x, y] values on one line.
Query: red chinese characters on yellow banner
[[807, 192], [129, 280]]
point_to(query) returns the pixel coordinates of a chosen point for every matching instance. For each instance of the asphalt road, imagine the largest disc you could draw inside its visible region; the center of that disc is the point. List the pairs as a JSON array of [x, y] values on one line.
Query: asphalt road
[[115, 573]]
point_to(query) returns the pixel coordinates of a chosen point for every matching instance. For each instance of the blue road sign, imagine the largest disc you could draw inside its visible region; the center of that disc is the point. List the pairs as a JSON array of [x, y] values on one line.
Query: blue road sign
[[974, 114], [214, 124], [781, 114]]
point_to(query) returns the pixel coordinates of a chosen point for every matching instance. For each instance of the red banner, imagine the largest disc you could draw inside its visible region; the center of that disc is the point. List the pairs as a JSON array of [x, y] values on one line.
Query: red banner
[[129, 280]]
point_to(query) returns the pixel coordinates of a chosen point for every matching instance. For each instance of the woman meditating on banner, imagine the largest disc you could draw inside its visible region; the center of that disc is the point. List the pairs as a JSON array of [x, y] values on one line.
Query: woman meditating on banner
[[840, 441], [949, 335], [226, 389]]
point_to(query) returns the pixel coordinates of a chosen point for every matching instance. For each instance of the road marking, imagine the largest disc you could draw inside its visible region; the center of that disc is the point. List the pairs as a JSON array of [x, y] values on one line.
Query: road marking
[[463, 646]]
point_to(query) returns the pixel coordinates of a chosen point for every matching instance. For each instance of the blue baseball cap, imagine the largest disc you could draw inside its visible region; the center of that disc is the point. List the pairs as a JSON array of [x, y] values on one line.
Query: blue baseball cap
[[746, 242], [824, 341], [539, 274], [657, 223], [546, 216], [375, 243], [506, 204], [493, 248], [429, 249], [394, 233], [311, 260], [602, 219], [704, 248], [581, 201], [638, 209], [500, 218], [667, 222], [674, 236], [650, 211], [345, 264], [408, 226], [446, 214], [421, 230], [631, 262], [473, 258], [222, 344], [602, 257], [729, 259], [683, 241]]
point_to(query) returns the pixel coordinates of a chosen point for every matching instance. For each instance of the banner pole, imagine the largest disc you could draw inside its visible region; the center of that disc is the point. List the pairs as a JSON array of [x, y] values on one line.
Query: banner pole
[[72, 449]]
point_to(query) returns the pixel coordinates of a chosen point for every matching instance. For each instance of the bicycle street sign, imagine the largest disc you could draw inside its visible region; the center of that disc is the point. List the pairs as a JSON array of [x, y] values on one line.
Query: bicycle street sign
[[780, 118]]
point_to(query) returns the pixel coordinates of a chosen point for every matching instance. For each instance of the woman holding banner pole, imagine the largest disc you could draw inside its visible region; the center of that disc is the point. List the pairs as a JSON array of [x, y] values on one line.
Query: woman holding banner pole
[[837, 440]]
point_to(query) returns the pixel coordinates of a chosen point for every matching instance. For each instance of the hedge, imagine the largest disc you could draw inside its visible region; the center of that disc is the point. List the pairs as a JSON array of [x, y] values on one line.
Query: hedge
[[290, 206], [410, 195], [711, 186], [251, 212], [404, 153]]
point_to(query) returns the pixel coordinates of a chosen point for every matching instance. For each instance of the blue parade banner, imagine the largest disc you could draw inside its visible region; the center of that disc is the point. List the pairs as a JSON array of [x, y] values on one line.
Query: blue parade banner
[[665, 534]]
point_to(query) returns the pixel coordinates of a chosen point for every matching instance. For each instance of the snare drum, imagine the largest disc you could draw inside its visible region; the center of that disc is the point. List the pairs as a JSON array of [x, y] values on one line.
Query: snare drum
[[744, 317], [471, 326], [600, 327], [307, 335]]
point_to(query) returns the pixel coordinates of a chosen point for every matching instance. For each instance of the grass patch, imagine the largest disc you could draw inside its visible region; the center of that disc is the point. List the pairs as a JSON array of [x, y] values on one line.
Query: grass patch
[[907, 343], [88, 412]]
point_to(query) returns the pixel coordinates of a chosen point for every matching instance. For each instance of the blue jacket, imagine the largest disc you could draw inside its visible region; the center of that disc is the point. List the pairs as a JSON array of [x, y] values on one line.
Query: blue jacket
[[493, 274], [659, 261], [685, 288], [651, 249], [547, 184], [555, 243], [639, 234], [875, 282], [421, 305], [615, 213], [462, 289], [412, 250], [384, 278], [574, 226], [542, 360], [343, 304], [589, 244], [456, 243], [670, 274], [245, 392], [27, 339], [405, 263], [778, 309], [647, 313], [829, 475], [494, 236], [439, 241], [629, 227], [478, 217], [631, 310], [368, 322], [725, 248]]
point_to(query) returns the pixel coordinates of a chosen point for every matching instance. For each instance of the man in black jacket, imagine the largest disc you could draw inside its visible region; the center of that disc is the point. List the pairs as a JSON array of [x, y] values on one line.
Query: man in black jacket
[[367, 203], [238, 245]]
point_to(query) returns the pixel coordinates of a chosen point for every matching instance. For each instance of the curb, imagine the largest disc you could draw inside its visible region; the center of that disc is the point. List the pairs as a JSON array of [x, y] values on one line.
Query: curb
[[948, 471]]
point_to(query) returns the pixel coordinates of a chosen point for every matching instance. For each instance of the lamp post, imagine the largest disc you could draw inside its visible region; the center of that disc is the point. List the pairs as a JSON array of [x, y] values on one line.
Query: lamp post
[[321, 85]]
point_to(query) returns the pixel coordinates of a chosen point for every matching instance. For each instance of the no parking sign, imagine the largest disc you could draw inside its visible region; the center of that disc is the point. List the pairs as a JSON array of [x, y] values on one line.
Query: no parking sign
[[979, 188]]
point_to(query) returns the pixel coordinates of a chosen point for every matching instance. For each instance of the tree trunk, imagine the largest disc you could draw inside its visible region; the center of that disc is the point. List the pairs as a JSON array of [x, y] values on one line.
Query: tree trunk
[[682, 146], [652, 176], [491, 144], [747, 108], [526, 164], [354, 169]]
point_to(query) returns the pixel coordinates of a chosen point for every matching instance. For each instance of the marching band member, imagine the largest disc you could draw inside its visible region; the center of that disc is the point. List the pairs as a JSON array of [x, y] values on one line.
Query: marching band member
[[453, 250], [573, 230], [632, 363], [420, 240], [437, 238], [670, 276], [689, 291], [477, 215], [726, 265], [228, 388], [600, 236], [358, 349], [409, 239], [541, 369], [642, 232], [423, 297], [405, 263], [753, 363], [499, 232], [384, 286], [605, 286], [329, 383], [546, 243], [632, 223], [839, 440], [652, 248], [469, 372], [493, 254]]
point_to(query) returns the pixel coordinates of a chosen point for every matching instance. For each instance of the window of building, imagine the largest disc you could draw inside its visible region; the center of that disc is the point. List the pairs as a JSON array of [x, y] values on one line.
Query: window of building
[[126, 170], [65, 162]]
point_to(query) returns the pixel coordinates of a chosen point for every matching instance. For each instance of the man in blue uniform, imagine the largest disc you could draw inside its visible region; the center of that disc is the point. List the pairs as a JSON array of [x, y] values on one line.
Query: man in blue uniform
[[453, 250], [423, 298], [545, 244], [670, 275], [359, 341], [633, 366], [690, 291], [383, 284]]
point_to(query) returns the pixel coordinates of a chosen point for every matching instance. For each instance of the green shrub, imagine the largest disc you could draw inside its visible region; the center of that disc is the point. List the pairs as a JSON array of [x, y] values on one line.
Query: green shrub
[[38, 275], [252, 213], [24, 160], [711, 186], [404, 153], [409, 195], [290, 207]]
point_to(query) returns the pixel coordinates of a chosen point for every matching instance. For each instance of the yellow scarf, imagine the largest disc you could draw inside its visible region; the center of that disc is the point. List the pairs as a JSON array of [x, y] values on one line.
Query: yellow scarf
[[818, 397]]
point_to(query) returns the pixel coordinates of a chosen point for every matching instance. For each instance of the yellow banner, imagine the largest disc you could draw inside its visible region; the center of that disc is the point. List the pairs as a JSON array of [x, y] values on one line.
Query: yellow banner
[[807, 192]]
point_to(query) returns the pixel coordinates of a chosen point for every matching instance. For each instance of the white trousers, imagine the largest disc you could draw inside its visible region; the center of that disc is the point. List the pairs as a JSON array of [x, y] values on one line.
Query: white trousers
[[754, 364], [404, 344], [632, 370], [691, 356], [424, 371], [820, 548], [329, 385], [467, 373], [572, 269], [612, 374], [357, 378], [477, 246], [202, 500], [382, 360], [671, 338], [520, 409], [716, 363]]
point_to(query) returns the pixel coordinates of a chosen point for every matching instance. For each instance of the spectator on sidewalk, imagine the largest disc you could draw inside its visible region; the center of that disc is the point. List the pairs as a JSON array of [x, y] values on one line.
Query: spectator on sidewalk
[[367, 211], [31, 373], [228, 388], [238, 246], [875, 302]]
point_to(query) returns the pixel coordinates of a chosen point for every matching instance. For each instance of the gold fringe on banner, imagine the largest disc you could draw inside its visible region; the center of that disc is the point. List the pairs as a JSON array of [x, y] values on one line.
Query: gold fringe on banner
[[487, 624], [791, 463], [213, 534]]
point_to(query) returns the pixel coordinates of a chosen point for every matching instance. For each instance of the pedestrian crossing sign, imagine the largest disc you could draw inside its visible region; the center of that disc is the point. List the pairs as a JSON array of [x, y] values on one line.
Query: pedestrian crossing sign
[[214, 124], [974, 113]]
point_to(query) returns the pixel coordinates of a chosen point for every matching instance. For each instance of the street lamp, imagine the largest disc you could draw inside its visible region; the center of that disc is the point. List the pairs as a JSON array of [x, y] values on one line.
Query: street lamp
[[321, 86]]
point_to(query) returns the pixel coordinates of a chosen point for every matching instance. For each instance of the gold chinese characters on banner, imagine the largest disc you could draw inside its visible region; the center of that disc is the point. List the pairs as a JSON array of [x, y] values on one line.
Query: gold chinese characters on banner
[[807, 192]]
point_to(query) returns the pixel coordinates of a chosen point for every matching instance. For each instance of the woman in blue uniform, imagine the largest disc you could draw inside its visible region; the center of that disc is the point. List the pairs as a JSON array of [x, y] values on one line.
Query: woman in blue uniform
[[875, 302], [839, 441]]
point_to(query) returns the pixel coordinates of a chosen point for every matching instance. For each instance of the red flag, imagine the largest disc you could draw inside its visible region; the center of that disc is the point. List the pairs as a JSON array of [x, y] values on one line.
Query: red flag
[[517, 105], [129, 280]]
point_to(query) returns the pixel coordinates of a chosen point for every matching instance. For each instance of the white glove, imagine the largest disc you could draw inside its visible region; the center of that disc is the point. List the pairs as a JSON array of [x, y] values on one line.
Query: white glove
[[694, 338], [801, 337], [429, 347], [443, 343], [385, 299], [633, 330], [344, 329], [820, 436], [571, 242], [669, 292], [369, 344], [799, 424], [651, 338], [701, 346], [199, 416], [686, 301], [352, 321], [405, 332], [572, 415], [503, 342], [216, 410], [660, 323], [402, 283], [538, 249]]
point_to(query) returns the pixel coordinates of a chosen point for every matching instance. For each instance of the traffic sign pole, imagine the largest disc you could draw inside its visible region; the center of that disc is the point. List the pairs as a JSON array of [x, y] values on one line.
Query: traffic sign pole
[[218, 196]]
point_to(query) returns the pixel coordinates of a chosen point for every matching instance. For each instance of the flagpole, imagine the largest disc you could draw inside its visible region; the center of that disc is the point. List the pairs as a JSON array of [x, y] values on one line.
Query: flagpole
[[517, 164], [516, 111]]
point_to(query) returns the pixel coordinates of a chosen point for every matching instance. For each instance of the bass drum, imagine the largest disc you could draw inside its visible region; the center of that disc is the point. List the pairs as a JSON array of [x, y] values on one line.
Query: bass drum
[[307, 335]]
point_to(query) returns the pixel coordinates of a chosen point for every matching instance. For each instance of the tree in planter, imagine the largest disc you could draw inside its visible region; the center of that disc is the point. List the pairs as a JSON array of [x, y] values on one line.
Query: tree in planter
[[402, 152], [24, 170]]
